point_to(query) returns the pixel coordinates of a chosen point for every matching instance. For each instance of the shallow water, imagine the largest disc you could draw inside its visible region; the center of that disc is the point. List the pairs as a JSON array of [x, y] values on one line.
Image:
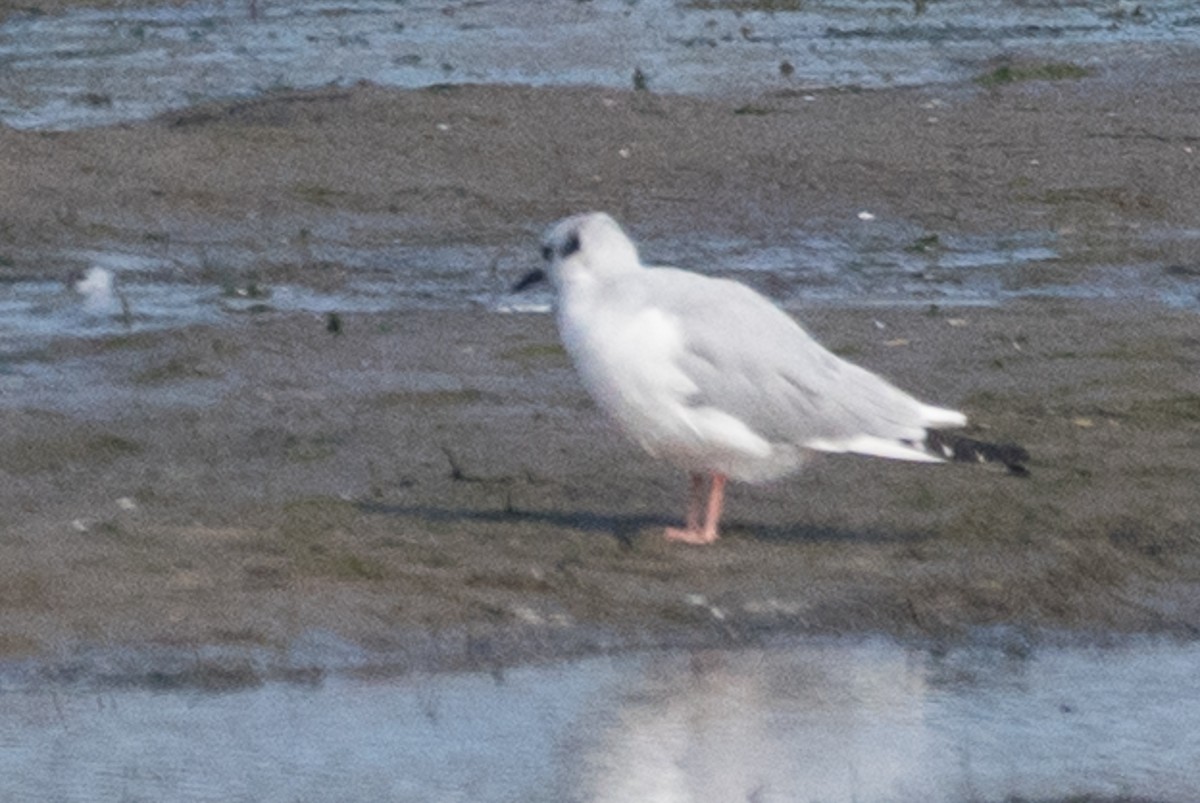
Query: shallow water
[[92, 67], [816, 721], [880, 262]]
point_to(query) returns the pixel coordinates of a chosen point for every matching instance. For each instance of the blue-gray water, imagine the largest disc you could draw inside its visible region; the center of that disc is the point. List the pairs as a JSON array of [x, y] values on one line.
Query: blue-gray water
[[864, 263], [834, 721], [100, 66]]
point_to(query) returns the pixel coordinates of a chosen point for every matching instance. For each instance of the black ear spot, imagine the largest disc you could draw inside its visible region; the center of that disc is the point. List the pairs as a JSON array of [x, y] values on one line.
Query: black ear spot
[[570, 246], [547, 253]]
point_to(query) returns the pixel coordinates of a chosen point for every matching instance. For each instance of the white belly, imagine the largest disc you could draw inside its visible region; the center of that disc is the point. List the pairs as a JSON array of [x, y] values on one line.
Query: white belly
[[629, 364]]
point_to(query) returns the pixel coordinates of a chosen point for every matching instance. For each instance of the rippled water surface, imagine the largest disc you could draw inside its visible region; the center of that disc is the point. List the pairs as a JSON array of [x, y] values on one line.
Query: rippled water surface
[[877, 262], [93, 67], [864, 721]]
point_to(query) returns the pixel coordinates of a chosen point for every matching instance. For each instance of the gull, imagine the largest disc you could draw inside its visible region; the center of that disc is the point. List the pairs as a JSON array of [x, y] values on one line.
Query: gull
[[711, 376]]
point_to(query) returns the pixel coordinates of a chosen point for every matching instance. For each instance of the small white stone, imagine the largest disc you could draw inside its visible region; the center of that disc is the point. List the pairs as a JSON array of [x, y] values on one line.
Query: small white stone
[[527, 615], [125, 503], [865, 215]]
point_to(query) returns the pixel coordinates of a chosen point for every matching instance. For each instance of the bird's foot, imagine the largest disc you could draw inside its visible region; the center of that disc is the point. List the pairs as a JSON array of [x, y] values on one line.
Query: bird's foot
[[691, 536]]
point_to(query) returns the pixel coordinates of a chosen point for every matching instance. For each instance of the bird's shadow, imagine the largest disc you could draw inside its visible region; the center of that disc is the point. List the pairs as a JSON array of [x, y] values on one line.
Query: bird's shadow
[[625, 528]]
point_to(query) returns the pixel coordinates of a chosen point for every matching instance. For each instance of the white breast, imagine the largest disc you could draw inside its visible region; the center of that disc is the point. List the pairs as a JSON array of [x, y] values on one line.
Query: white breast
[[629, 362]]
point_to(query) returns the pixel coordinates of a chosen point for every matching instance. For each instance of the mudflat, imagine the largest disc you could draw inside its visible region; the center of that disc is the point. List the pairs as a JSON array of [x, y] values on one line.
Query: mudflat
[[433, 485]]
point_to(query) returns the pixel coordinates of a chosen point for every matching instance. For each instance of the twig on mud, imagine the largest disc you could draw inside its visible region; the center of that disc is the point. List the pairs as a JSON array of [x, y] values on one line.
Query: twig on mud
[[456, 472]]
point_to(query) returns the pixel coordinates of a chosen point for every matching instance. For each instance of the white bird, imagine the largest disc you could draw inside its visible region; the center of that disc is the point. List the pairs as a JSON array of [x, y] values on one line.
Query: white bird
[[101, 296], [97, 288], [713, 377]]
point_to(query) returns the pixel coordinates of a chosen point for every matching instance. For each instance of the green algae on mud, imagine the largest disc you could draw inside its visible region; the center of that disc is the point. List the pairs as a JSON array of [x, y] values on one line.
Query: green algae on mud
[[1044, 71]]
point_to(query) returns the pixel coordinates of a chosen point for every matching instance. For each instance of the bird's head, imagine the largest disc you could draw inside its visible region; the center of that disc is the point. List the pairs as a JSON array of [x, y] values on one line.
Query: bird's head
[[582, 247]]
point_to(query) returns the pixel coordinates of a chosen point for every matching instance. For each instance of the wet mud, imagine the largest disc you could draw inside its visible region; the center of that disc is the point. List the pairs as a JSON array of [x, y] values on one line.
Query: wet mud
[[432, 487], [435, 488]]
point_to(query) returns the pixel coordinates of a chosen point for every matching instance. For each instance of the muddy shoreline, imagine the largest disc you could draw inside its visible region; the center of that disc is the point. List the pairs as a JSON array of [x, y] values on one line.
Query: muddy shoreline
[[1100, 162], [434, 486], [472, 507]]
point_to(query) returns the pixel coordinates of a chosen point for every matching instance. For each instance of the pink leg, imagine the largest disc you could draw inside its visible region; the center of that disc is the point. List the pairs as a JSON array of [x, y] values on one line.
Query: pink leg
[[716, 501], [698, 532], [695, 502]]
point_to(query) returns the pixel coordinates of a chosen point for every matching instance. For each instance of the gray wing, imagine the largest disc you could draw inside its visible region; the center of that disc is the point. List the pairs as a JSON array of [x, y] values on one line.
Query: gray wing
[[753, 361]]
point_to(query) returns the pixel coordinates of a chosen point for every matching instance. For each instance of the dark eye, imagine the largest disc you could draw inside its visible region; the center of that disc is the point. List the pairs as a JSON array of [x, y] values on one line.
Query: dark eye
[[570, 246], [547, 253]]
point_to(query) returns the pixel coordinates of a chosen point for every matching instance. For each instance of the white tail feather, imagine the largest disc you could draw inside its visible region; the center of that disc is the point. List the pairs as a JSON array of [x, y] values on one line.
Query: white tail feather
[[876, 447], [941, 418]]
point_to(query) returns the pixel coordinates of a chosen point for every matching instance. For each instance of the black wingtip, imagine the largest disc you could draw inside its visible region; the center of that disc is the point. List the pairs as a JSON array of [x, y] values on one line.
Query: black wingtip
[[961, 449], [1012, 456], [531, 278], [1018, 470]]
